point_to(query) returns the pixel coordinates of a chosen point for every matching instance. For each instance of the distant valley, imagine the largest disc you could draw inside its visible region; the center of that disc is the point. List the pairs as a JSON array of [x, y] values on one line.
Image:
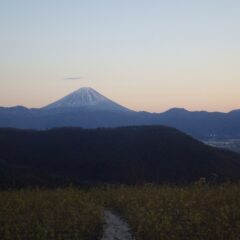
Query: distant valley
[[228, 143]]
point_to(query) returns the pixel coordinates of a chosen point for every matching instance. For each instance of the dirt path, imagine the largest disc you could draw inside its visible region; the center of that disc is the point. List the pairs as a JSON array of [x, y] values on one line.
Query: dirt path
[[115, 228]]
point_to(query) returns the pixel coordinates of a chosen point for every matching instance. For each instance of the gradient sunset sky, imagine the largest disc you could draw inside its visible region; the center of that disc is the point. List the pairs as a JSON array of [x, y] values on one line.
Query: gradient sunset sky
[[146, 55]]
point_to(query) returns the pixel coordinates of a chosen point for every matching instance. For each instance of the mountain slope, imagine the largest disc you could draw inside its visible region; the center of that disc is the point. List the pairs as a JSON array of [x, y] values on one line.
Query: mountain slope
[[126, 155]]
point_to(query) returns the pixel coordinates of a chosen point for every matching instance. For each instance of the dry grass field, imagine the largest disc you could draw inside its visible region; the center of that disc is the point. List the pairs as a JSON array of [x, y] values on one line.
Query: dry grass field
[[153, 212]]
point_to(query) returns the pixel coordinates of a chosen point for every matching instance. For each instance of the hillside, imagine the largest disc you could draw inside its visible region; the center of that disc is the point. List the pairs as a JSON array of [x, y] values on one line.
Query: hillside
[[125, 155]]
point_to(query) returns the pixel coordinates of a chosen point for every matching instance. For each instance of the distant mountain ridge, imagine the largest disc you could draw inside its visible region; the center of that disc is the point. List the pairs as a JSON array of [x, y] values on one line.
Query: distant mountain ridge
[[89, 109]]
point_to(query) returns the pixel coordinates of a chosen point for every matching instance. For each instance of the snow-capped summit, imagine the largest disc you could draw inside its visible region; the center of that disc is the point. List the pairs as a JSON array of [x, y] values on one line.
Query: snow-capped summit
[[86, 97]]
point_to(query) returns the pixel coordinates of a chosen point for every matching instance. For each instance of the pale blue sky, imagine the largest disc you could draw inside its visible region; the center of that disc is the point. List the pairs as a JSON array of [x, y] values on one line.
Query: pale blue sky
[[147, 55]]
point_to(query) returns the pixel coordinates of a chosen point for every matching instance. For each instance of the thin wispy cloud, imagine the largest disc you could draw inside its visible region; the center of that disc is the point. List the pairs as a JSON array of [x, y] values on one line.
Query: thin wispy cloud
[[73, 78]]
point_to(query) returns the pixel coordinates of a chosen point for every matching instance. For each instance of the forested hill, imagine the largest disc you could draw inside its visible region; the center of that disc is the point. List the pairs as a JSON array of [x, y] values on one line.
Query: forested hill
[[126, 155]]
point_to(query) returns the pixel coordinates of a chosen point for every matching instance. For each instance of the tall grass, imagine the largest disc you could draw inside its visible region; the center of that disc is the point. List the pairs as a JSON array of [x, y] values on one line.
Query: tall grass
[[199, 212], [42, 214]]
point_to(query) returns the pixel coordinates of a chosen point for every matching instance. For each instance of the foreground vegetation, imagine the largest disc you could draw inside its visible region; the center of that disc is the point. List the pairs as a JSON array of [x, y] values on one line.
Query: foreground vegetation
[[197, 212], [42, 214]]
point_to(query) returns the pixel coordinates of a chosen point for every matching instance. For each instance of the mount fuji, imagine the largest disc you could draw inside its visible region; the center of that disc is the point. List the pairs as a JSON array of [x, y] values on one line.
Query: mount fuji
[[87, 98], [87, 108]]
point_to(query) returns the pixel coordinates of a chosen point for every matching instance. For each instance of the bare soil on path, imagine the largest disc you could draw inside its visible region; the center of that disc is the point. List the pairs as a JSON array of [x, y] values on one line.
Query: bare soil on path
[[115, 227]]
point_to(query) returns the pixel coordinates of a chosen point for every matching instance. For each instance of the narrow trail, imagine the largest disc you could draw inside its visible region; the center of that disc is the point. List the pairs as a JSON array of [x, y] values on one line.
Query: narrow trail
[[115, 228]]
